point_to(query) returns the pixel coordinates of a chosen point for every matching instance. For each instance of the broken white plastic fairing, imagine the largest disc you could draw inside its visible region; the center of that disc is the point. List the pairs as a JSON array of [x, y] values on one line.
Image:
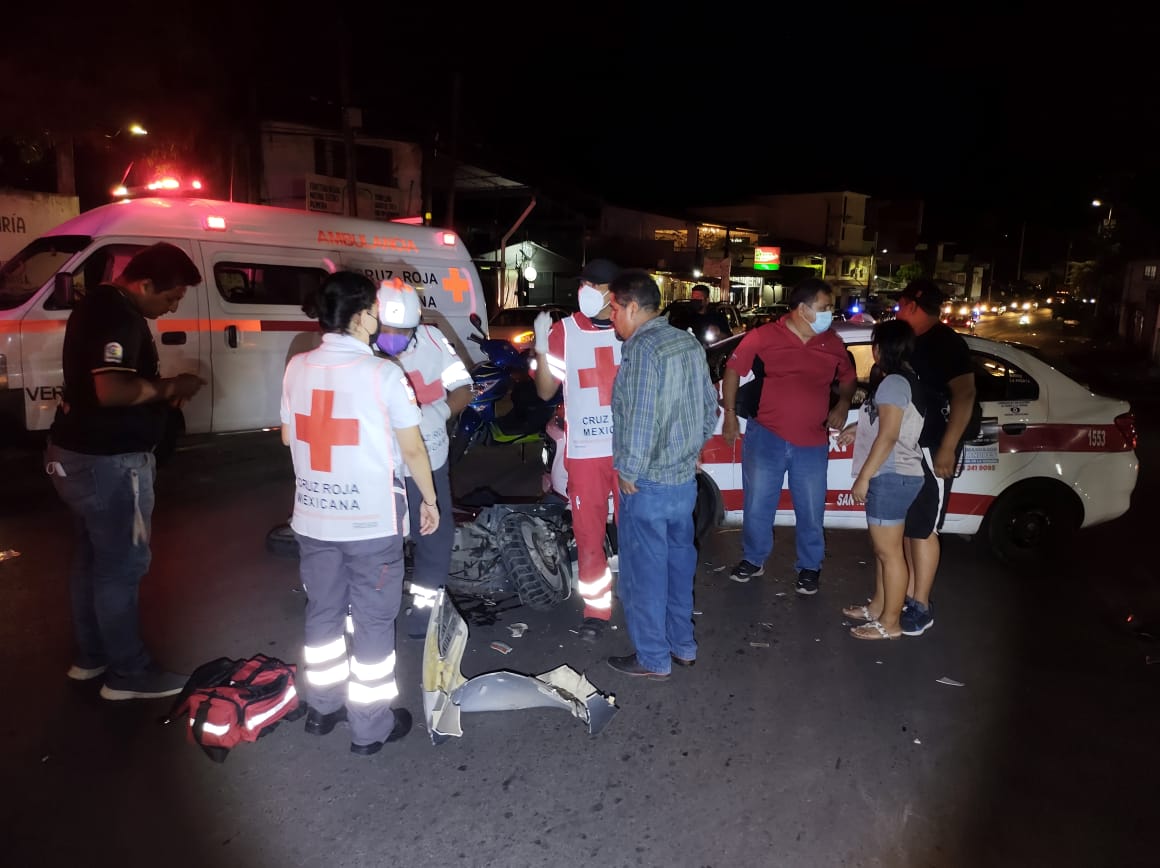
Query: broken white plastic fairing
[[446, 693]]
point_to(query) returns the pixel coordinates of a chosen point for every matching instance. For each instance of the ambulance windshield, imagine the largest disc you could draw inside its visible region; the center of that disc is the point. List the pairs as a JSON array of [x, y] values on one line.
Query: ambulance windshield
[[34, 266]]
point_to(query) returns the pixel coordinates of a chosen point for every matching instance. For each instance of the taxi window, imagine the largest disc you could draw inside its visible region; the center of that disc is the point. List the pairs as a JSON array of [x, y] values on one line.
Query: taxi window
[[998, 380], [250, 283], [863, 355]]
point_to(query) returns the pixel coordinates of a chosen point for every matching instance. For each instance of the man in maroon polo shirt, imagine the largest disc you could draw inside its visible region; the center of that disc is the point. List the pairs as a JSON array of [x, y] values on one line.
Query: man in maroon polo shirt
[[802, 357]]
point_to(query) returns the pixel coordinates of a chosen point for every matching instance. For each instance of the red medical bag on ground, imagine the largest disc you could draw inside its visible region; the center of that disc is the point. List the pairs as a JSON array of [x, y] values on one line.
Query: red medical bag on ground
[[227, 702]]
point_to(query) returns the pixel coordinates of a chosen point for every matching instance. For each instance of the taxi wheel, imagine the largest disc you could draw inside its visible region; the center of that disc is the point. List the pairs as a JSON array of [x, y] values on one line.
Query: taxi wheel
[[708, 512], [1032, 521]]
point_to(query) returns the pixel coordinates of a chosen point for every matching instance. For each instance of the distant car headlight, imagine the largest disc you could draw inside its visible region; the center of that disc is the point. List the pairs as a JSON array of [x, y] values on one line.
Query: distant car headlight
[[964, 311], [523, 338], [1027, 305]]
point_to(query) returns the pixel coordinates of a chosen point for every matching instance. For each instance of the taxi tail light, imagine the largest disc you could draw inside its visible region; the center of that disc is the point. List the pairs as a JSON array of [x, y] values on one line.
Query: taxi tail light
[[1126, 424]]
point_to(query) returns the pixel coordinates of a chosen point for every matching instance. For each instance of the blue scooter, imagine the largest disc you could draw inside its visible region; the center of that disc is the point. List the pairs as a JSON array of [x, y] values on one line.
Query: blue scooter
[[505, 372]]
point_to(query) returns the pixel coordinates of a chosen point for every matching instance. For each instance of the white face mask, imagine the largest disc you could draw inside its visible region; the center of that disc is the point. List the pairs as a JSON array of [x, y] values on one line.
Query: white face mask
[[590, 300]]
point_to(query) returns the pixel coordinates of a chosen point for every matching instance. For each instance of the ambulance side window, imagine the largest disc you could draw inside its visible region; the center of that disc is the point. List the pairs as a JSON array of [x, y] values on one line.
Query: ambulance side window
[[101, 266], [998, 380], [253, 283]]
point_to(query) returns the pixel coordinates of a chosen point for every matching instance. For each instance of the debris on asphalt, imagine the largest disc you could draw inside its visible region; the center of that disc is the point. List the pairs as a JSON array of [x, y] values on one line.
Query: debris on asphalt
[[949, 682], [517, 630], [1151, 661], [695, 612], [817, 640], [501, 647], [780, 594], [765, 624], [879, 662], [861, 563], [758, 644], [719, 569], [918, 741], [9, 554]]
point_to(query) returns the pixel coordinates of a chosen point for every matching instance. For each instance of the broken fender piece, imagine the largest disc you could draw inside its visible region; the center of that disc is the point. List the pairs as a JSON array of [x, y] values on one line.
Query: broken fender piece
[[447, 694]]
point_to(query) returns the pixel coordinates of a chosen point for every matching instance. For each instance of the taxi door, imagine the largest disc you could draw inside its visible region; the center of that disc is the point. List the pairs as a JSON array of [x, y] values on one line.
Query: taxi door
[[255, 323]]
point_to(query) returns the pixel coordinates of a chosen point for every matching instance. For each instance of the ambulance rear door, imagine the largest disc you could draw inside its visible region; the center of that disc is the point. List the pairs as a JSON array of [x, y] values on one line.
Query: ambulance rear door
[[447, 283], [255, 324]]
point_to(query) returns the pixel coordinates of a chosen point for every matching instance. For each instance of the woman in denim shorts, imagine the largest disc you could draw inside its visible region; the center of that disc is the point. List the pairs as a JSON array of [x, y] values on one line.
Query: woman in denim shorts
[[887, 472]]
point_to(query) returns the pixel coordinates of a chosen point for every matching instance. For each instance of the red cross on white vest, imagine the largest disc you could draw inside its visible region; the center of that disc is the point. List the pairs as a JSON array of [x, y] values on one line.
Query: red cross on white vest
[[322, 431], [601, 376]]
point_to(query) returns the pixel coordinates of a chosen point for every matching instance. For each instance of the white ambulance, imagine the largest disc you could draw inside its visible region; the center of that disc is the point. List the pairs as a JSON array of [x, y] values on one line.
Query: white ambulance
[[240, 326], [1051, 456]]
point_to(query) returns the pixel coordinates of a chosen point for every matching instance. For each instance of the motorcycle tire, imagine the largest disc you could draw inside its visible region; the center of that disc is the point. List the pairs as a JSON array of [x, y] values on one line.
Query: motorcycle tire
[[280, 540], [536, 561]]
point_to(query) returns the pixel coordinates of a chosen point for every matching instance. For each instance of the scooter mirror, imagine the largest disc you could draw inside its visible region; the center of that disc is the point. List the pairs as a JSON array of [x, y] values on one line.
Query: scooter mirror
[[476, 321]]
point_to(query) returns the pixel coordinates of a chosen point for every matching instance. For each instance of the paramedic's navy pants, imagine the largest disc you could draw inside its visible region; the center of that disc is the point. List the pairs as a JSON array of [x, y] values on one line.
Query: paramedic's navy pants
[[657, 561], [432, 553], [111, 500], [364, 578]]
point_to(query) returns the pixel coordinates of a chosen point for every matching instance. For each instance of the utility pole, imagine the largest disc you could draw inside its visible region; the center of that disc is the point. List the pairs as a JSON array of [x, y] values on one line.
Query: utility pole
[[1019, 266], [453, 153], [349, 121]]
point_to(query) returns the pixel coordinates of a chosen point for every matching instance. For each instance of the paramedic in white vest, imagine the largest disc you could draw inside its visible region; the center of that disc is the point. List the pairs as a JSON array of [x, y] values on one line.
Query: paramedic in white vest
[[583, 353], [442, 389], [351, 422]]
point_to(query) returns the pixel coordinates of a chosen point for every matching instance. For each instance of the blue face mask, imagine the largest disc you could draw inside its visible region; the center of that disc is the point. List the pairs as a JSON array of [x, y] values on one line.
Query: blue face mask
[[823, 319], [392, 344]]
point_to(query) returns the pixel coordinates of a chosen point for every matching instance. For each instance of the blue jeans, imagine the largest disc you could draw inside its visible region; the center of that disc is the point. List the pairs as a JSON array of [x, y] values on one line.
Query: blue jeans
[[657, 561], [111, 500], [765, 459]]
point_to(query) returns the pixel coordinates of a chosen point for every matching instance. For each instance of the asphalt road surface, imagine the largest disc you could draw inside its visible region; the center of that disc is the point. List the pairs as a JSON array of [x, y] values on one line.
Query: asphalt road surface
[[789, 743]]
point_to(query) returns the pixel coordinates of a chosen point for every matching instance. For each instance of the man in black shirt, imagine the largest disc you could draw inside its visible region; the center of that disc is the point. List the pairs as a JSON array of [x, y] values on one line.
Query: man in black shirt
[[100, 458], [943, 364], [705, 319]]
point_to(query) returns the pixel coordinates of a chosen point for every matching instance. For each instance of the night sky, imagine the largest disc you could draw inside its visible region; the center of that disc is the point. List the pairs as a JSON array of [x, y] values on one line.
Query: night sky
[[994, 119]]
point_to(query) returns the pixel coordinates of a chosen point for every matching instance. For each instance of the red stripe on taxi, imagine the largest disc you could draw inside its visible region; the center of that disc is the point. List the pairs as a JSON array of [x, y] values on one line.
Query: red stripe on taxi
[[1061, 437], [842, 501]]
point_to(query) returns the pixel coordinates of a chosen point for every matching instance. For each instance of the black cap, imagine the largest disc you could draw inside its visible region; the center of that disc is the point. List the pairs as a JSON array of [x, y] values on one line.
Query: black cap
[[925, 294], [600, 271]]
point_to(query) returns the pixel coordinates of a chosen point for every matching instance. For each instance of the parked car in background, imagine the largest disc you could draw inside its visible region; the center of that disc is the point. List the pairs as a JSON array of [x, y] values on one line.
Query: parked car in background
[[514, 324], [682, 314], [762, 314]]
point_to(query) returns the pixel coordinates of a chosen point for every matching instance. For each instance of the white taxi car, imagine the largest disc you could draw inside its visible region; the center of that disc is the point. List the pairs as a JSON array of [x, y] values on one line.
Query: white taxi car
[[1051, 456]]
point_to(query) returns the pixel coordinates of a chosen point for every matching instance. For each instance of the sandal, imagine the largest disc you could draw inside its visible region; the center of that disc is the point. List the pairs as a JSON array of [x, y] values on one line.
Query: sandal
[[873, 630], [859, 612]]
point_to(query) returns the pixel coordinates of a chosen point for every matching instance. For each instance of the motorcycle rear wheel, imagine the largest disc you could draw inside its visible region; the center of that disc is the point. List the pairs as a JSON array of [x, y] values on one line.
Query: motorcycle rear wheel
[[536, 561]]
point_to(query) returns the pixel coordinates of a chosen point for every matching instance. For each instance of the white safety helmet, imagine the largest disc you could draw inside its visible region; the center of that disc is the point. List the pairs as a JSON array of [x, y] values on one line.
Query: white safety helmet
[[399, 305]]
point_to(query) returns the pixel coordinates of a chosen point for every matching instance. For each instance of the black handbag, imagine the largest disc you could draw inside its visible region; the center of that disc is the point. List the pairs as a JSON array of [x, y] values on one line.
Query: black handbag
[[749, 395]]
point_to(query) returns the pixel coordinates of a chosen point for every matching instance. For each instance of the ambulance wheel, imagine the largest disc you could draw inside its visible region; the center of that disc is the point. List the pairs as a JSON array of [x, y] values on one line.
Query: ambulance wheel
[[1033, 521], [171, 432], [280, 541], [536, 561]]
